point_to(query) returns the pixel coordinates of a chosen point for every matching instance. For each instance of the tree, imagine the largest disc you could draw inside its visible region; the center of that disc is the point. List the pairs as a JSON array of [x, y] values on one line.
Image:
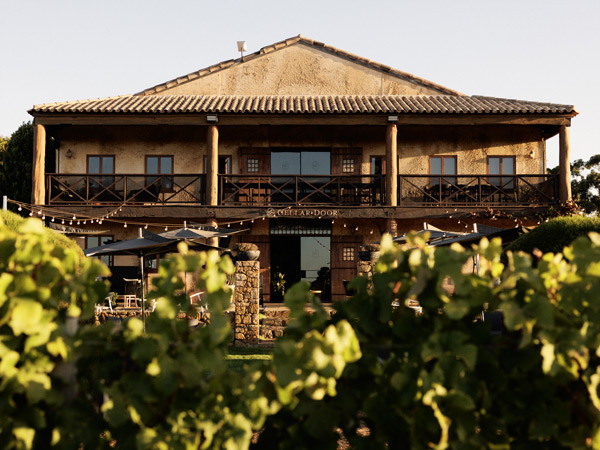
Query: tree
[[17, 161], [585, 183]]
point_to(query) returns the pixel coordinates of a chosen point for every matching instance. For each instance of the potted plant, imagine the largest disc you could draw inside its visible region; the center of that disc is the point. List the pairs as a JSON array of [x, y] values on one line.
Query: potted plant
[[247, 251], [369, 252], [278, 285]]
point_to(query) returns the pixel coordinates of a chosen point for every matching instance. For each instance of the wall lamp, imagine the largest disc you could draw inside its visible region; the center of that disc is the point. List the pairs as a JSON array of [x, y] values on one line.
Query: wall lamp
[[69, 153], [212, 118], [392, 118]]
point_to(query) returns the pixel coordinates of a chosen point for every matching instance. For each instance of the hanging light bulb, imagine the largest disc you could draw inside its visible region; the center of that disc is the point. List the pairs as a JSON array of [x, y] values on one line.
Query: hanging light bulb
[[63, 221], [74, 217], [84, 222], [44, 217], [78, 222], [228, 225], [40, 212], [166, 229], [332, 221], [125, 225], [20, 208], [252, 221], [146, 227], [100, 222], [31, 214], [344, 225], [263, 218], [71, 222], [52, 220], [241, 223], [371, 232]]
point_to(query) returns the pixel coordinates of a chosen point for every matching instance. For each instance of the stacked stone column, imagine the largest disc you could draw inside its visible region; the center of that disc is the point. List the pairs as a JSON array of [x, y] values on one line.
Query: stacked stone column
[[365, 268], [247, 290]]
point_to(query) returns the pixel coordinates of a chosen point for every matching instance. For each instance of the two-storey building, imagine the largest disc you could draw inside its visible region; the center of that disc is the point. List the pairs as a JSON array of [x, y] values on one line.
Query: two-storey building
[[313, 149]]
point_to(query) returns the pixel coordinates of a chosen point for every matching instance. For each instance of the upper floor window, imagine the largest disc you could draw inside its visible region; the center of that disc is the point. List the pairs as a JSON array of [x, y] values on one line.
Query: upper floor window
[[252, 165], [377, 165], [502, 165], [348, 165], [442, 165], [101, 165], [160, 165]]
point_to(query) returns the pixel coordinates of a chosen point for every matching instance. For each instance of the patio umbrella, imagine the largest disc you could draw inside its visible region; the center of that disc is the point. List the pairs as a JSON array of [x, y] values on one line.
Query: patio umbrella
[[145, 245], [195, 232]]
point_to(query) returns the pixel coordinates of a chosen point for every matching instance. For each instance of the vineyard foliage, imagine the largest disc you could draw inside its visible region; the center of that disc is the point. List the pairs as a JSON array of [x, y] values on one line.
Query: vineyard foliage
[[374, 372]]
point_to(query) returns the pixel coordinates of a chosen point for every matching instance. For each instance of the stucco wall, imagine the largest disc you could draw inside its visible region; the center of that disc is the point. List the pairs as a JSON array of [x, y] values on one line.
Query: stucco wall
[[299, 70], [187, 144]]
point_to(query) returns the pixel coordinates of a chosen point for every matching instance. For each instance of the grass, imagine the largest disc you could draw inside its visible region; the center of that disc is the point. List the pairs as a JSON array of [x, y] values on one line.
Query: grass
[[14, 221], [554, 235], [240, 357]]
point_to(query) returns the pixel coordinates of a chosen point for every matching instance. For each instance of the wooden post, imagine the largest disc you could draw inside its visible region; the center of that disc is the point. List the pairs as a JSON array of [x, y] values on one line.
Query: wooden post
[[212, 161], [391, 154], [564, 171], [38, 173]]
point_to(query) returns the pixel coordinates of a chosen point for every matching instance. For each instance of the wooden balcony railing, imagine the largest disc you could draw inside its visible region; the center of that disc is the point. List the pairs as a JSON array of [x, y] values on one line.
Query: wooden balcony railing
[[477, 190], [298, 190], [92, 189]]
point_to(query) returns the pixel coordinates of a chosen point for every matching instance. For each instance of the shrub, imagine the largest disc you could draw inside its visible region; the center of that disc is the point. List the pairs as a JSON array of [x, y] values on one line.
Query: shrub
[[370, 247], [245, 247], [554, 235], [14, 221]]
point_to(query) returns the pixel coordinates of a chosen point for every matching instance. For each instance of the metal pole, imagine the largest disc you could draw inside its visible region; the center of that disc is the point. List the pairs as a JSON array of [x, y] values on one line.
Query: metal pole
[[4, 203], [143, 296]]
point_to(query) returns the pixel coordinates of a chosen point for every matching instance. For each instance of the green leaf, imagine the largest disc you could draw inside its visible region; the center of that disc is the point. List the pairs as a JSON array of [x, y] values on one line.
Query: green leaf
[[26, 316]]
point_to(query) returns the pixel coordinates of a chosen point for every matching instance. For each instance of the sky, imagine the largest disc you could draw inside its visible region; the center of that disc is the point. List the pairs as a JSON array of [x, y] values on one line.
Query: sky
[[538, 50]]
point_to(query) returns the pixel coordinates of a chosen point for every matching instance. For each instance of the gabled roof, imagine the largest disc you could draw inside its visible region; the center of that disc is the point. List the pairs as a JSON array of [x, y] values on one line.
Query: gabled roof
[[295, 41], [326, 104]]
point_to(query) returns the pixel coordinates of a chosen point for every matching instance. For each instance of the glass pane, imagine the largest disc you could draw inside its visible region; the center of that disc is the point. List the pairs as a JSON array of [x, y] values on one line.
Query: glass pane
[[436, 165], [494, 166], [314, 262], [166, 164], [507, 166], [450, 166], [108, 164], [152, 164], [285, 163], [92, 242], [94, 164], [315, 163]]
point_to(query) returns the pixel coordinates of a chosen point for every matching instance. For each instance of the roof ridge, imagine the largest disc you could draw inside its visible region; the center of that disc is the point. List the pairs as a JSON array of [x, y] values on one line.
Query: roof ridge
[[286, 43]]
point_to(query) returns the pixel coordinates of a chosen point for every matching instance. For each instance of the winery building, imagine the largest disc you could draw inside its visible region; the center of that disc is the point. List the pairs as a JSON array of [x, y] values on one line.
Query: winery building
[[311, 149]]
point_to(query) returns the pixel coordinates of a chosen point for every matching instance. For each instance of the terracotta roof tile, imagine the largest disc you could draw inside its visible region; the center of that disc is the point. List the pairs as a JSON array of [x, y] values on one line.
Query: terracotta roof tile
[[337, 104]]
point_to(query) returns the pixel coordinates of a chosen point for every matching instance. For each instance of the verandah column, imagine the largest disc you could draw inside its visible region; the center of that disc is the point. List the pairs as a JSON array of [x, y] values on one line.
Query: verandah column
[[564, 171], [391, 182], [38, 173], [212, 169]]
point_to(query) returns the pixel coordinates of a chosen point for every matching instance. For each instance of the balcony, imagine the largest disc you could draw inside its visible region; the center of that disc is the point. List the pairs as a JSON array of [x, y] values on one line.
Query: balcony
[[90, 189], [477, 190], [301, 190]]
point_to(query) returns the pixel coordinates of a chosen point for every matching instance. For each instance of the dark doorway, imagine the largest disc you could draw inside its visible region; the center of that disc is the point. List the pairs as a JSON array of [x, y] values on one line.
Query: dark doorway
[[285, 259]]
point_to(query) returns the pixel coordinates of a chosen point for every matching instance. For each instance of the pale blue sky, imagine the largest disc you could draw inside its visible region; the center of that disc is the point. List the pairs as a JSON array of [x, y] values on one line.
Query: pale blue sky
[[542, 50]]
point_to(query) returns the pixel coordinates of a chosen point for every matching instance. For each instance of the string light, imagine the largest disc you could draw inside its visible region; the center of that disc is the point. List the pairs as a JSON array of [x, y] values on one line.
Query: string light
[[20, 208], [125, 225], [63, 221], [40, 212], [71, 222], [146, 227], [52, 220], [166, 229], [371, 232], [44, 217], [74, 218], [31, 214]]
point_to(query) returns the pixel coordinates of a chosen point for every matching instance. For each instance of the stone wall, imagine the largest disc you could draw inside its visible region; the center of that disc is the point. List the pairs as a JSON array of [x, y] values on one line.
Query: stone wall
[[246, 303]]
